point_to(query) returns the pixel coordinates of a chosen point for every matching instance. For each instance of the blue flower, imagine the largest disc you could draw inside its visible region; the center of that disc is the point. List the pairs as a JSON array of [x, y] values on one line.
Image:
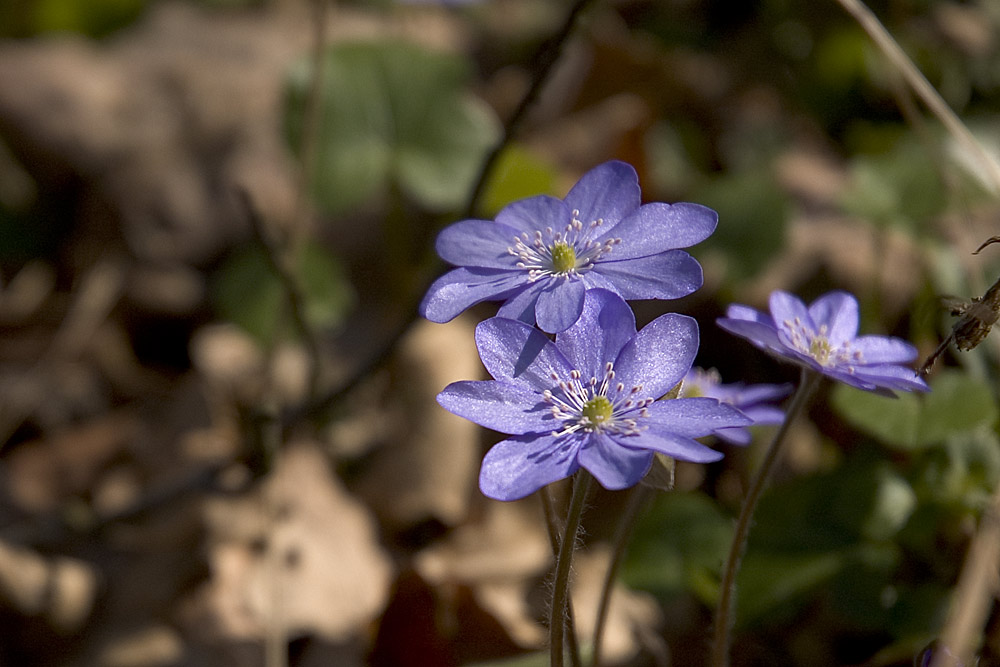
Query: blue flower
[[586, 399], [755, 400], [541, 254], [824, 337]]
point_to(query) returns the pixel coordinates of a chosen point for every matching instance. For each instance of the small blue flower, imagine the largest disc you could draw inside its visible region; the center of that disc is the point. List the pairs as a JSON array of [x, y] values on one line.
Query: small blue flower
[[824, 337], [541, 254], [755, 400], [587, 399]]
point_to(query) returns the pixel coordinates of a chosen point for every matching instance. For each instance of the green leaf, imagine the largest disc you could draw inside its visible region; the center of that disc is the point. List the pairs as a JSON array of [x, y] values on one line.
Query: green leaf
[[872, 500], [900, 186], [392, 113], [89, 17], [679, 545], [892, 421], [777, 581], [517, 174], [956, 404], [249, 293], [752, 212]]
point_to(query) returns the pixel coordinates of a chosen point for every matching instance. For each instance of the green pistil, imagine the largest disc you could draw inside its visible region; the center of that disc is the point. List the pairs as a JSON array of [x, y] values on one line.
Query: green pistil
[[597, 410], [820, 349], [563, 257]]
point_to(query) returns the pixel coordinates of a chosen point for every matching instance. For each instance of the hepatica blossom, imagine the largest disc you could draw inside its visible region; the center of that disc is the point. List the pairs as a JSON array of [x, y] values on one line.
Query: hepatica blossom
[[756, 401], [824, 337], [541, 254], [586, 399]]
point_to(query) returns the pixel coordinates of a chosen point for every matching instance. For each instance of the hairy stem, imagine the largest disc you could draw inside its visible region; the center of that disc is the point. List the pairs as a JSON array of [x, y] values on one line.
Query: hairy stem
[[555, 530], [724, 612], [638, 496], [560, 589]]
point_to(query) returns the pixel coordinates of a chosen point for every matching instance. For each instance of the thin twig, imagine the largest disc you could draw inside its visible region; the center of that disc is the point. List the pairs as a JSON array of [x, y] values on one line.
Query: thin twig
[[544, 60], [312, 114], [98, 293], [974, 594], [727, 588], [924, 90], [280, 262]]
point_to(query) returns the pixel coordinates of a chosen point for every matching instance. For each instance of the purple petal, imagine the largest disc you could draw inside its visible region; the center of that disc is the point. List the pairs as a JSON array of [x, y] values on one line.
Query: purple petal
[[759, 333], [659, 355], [758, 393], [839, 312], [521, 306], [559, 304], [657, 227], [614, 466], [671, 444], [786, 307], [738, 311], [461, 288], [534, 214], [884, 350], [892, 377], [501, 406], [763, 414], [668, 275], [609, 191], [516, 351], [479, 243], [740, 437], [519, 466], [605, 325], [694, 417]]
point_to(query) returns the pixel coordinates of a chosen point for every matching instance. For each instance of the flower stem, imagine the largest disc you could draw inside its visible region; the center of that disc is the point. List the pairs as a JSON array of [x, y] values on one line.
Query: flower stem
[[560, 590], [555, 530], [723, 614], [636, 500]]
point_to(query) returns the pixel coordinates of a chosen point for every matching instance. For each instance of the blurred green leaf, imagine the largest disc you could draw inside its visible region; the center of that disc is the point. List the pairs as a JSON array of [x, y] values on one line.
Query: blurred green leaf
[[872, 500], [249, 293], [679, 544], [391, 112], [812, 528], [89, 17], [892, 421], [775, 581], [964, 469], [902, 186], [517, 174], [752, 214], [957, 403]]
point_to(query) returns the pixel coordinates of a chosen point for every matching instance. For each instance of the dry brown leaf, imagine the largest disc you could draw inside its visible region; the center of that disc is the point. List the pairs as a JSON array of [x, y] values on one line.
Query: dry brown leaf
[[427, 467], [298, 554]]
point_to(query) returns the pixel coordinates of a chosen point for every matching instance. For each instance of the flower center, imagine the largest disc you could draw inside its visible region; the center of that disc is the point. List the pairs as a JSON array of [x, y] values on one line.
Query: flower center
[[565, 254], [819, 349], [597, 410], [817, 345], [596, 405], [563, 257]]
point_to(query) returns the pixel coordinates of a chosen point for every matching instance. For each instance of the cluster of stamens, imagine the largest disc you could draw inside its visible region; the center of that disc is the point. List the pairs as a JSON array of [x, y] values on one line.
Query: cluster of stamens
[[817, 345], [596, 405], [565, 254]]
